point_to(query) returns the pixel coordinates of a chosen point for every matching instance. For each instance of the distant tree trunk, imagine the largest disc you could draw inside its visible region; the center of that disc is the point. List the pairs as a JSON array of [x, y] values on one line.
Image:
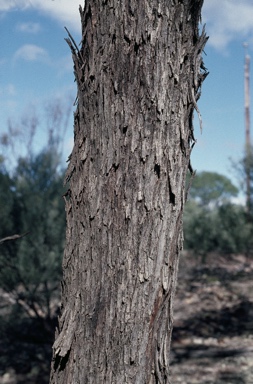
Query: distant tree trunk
[[139, 72]]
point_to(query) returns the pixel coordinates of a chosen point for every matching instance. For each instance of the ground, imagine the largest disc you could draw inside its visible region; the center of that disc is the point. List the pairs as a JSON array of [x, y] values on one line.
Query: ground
[[213, 328]]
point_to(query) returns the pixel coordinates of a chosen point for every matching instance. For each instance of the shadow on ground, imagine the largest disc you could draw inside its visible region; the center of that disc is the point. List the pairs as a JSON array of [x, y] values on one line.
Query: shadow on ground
[[25, 349]]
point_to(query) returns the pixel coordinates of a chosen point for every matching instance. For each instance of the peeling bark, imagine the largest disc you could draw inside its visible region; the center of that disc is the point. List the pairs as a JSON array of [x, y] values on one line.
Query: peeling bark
[[139, 72]]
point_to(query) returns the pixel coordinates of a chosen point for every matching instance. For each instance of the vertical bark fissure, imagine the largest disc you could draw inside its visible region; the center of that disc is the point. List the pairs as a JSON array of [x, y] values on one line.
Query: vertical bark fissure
[[138, 74]]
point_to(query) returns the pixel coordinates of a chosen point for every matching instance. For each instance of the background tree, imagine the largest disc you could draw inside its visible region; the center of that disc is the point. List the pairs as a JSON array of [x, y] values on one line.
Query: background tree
[[34, 264], [31, 190], [200, 229], [212, 222], [35, 129], [139, 72], [7, 200], [235, 232], [212, 189], [244, 171]]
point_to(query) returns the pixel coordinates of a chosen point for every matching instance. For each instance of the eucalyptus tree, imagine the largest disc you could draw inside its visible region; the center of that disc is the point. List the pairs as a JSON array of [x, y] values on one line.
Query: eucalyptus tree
[[138, 71], [211, 189]]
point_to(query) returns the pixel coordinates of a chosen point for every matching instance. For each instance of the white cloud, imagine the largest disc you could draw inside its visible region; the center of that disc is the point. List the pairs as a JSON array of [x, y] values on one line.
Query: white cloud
[[65, 11], [7, 5], [29, 27], [227, 21], [30, 52]]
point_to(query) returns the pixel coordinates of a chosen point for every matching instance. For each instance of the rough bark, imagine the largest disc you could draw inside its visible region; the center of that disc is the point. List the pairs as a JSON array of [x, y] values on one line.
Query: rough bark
[[138, 72]]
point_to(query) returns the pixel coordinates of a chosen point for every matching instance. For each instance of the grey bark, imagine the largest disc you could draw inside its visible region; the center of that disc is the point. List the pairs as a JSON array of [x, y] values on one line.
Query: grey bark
[[139, 71]]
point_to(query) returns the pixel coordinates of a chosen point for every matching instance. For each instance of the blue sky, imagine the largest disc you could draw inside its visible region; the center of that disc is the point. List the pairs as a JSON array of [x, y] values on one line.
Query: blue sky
[[36, 66]]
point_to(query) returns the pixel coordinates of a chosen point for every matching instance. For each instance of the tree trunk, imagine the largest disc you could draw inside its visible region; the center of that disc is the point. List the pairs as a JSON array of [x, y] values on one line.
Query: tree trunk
[[138, 72]]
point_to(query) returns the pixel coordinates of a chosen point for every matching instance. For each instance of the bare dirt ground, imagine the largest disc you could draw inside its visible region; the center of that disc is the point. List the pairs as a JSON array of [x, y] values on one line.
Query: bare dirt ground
[[213, 327]]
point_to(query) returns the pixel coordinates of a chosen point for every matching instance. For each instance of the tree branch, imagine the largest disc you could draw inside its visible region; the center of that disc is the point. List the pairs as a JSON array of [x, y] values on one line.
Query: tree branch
[[13, 237]]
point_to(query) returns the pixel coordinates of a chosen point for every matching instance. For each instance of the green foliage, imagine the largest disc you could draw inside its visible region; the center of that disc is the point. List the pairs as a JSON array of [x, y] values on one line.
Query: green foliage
[[235, 232], [7, 198], [211, 188], [30, 268], [244, 170], [212, 223], [199, 229], [31, 189]]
